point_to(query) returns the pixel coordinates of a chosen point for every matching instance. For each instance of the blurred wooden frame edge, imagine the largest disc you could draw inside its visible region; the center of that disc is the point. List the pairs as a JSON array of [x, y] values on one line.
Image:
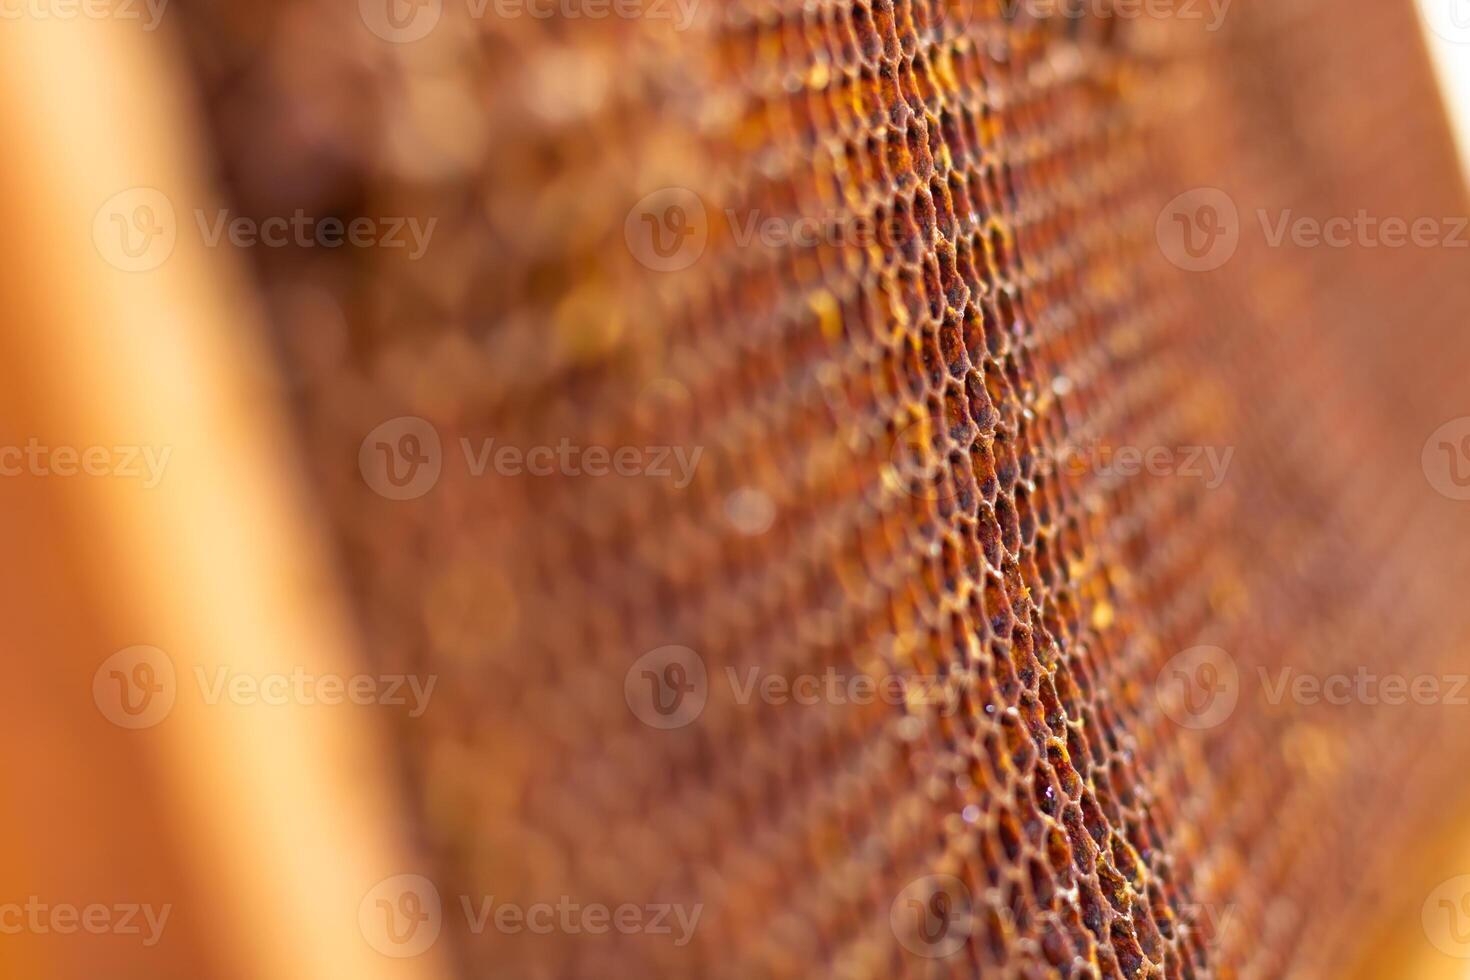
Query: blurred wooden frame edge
[[288, 817]]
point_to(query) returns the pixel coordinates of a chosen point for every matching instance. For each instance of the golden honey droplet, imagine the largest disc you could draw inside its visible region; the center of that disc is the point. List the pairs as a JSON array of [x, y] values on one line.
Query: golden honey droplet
[[824, 305], [1102, 616]]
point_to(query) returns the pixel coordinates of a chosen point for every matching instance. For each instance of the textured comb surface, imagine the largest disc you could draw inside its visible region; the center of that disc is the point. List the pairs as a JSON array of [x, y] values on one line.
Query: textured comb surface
[[908, 436]]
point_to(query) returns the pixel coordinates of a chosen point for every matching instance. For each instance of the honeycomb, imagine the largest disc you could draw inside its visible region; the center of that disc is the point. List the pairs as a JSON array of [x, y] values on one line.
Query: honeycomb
[[873, 294]]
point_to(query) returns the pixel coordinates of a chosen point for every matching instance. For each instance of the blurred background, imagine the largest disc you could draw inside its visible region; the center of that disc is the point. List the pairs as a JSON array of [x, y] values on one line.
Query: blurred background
[[1445, 34], [556, 488]]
